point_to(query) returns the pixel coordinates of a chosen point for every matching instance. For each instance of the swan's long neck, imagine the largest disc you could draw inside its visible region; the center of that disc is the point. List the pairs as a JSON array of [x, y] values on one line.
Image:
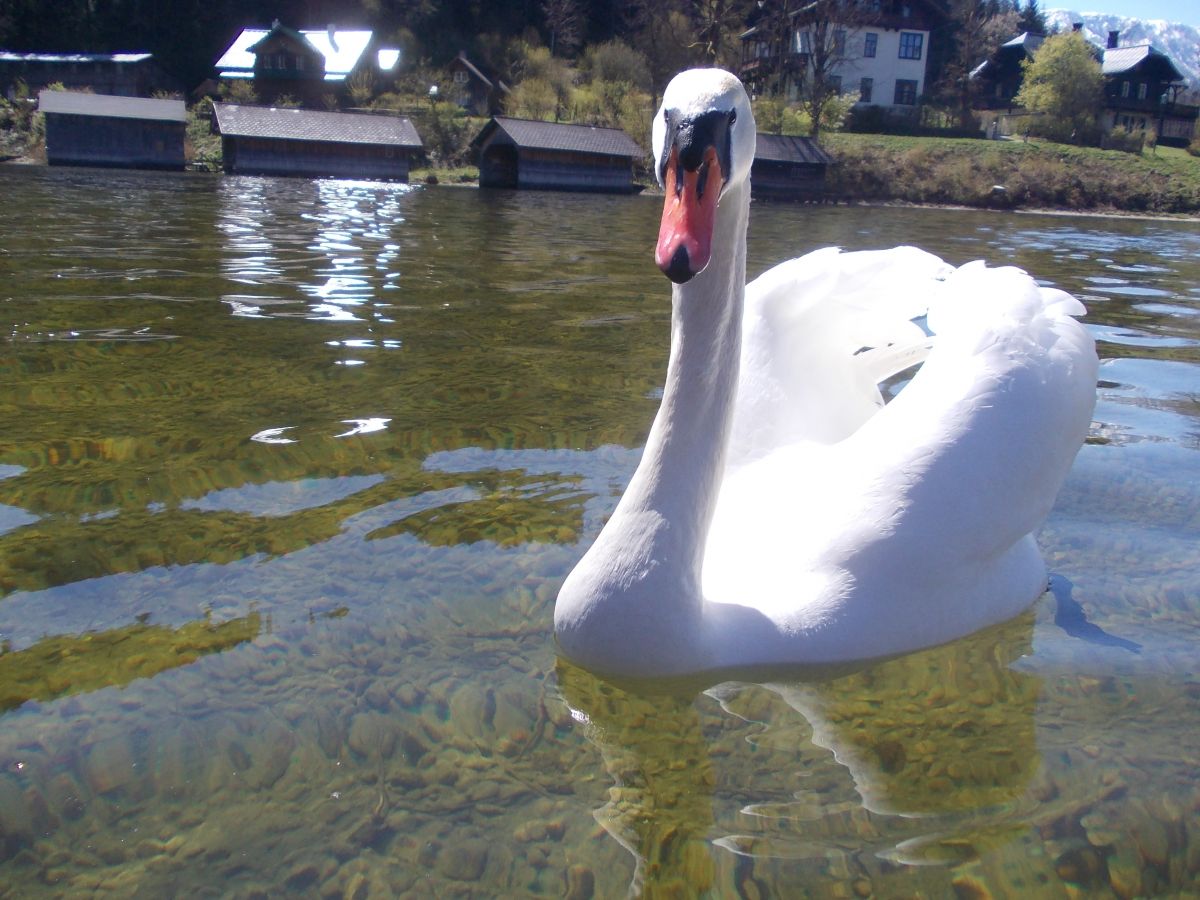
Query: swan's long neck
[[638, 589], [681, 469]]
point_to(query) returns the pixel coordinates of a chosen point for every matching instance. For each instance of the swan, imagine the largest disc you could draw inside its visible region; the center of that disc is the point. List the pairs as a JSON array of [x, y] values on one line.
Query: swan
[[781, 513]]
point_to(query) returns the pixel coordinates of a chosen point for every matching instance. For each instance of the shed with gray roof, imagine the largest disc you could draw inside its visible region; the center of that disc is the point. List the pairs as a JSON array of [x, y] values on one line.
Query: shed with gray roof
[[258, 140], [519, 153], [788, 167], [104, 130]]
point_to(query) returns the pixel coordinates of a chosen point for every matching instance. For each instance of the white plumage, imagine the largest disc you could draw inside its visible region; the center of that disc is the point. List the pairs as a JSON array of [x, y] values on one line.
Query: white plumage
[[782, 513]]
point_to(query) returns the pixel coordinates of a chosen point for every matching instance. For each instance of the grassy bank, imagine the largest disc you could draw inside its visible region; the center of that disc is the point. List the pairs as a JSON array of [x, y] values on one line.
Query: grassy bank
[[1038, 174]]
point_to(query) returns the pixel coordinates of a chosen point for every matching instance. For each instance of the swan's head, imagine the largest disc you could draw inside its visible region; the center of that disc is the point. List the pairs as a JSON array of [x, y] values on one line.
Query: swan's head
[[704, 138]]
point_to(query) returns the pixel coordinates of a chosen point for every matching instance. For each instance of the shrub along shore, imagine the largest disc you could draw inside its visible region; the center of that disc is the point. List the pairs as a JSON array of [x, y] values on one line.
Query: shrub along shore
[[1011, 174]]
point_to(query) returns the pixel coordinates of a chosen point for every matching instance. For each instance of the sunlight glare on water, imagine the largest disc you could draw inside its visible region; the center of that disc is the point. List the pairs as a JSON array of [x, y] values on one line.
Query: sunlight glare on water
[[291, 470]]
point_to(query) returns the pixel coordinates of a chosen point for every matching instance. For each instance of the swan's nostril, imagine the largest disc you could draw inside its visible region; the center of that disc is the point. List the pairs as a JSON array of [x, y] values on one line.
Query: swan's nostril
[[680, 269]]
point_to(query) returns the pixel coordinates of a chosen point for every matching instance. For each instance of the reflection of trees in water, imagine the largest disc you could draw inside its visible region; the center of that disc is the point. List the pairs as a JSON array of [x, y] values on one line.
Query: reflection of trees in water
[[63, 665], [507, 508], [937, 745]]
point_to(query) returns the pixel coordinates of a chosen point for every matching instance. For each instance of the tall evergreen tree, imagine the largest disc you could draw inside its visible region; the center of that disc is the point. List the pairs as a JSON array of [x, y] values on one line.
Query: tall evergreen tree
[[1032, 18]]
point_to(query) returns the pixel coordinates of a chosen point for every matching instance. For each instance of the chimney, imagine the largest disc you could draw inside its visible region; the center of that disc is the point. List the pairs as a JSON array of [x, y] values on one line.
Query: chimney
[[1112, 39]]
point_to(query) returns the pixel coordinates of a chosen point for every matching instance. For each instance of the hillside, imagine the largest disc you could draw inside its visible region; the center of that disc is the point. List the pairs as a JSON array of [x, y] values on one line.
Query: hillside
[[1180, 42]]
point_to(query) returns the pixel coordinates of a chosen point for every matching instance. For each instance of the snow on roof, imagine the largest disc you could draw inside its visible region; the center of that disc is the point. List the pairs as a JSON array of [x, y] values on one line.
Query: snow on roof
[[9, 56], [341, 49]]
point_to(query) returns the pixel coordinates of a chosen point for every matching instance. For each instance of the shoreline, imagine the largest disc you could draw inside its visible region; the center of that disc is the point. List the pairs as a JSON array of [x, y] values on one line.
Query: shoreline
[[653, 190]]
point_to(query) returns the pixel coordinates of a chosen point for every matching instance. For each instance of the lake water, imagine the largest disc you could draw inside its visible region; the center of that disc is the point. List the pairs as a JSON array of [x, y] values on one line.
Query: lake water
[[290, 472]]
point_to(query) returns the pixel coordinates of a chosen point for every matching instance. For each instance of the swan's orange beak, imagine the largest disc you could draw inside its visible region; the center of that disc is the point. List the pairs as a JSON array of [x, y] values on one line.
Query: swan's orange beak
[[685, 235]]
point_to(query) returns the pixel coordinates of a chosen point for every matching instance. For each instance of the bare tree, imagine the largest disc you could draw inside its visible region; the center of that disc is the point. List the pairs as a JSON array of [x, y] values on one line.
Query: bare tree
[[562, 21], [822, 31], [665, 36], [717, 24], [979, 27], [776, 57]]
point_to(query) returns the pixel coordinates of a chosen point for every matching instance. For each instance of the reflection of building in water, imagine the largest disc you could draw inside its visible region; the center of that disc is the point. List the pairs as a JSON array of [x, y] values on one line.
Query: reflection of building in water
[[322, 250]]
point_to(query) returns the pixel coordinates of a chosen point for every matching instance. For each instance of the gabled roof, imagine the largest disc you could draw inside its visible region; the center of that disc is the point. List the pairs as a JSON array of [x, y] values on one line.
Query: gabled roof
[[75, 103], [1028, 41], [278, 28], [234, 120], [558, 136], [341, 50], [788, 148], [1118, 60]]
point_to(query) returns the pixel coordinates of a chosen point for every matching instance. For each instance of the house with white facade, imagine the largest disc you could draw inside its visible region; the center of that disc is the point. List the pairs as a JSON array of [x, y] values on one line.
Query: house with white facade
[[880, 54]]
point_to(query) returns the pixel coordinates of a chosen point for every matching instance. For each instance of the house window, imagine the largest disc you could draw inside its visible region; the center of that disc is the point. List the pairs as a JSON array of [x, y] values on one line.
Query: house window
[[803, 42], [910, 44], [1124, 88], [460, 76], [865, 88], [835, 84], [1142, 91], [906, 92], [839, 42], [870, 44]]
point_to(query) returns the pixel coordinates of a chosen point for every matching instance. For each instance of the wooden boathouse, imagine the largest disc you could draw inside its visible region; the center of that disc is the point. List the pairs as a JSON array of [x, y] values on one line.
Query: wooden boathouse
[[519, 153], [105, 130], [258, 140], [787, 167]]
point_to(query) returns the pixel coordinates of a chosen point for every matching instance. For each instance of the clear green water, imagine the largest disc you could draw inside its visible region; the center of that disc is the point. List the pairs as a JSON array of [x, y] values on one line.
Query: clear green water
[[290, 472]]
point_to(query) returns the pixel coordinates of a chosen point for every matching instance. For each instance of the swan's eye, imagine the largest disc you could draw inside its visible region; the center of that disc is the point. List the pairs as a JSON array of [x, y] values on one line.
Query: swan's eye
[[732, 117]]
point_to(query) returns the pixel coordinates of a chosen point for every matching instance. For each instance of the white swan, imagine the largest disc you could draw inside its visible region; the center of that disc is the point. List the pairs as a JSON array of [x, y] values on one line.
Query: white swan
[[781, 514]]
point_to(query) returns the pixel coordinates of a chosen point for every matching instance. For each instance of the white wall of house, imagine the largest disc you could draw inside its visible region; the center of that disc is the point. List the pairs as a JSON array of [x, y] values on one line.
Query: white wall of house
[[886, 68]]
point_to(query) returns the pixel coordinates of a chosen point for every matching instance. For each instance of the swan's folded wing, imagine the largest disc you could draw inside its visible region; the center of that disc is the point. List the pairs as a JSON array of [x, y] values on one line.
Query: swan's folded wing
[[819, 333], [974, 450]]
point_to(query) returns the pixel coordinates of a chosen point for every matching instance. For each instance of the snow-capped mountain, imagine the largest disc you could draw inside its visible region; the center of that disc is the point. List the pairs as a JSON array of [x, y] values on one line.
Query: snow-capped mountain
[[1180, 42]]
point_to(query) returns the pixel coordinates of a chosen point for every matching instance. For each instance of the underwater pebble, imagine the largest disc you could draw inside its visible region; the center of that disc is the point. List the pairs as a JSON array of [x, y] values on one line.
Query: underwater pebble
[[1152, 842], [357, 888], [1124, 874], [108, 765], [581, 883], [464, 860], [409, 696], [377, 695], [372, 734], [302, 878]]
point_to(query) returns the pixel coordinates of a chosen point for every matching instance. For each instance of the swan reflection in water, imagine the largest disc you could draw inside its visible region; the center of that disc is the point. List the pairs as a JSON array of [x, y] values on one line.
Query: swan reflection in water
[[932, 755]]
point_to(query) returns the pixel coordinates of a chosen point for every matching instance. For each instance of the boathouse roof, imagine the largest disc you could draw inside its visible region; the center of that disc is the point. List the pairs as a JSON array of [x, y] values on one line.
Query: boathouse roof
[[789, 148], [76, 103], [234, 120], [533, 135]]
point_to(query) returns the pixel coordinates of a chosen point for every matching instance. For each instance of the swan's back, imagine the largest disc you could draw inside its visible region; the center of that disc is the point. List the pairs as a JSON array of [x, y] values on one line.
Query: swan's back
[[893, 525]]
